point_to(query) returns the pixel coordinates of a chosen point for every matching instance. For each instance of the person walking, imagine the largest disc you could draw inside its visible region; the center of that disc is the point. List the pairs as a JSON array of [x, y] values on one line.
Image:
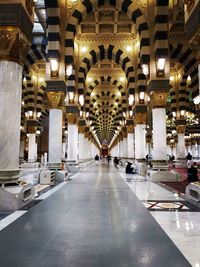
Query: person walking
[[96, 158], [108, 158]]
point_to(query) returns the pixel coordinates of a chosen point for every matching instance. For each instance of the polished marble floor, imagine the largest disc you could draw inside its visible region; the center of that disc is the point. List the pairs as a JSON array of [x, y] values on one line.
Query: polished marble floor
[[95, 220], [177, 218]]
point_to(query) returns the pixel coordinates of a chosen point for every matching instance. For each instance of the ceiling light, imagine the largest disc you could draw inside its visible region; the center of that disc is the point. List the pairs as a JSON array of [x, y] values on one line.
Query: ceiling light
[[161, 63], [89, 79], [128, 48], [171, 78], [145, 69], [69, 70], [131, 100], [54, 64], [84, 49], [81, 100], [121, 79]]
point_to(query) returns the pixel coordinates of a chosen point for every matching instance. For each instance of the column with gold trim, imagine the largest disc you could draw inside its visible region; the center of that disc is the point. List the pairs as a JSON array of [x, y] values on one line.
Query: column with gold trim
[[16, 35]]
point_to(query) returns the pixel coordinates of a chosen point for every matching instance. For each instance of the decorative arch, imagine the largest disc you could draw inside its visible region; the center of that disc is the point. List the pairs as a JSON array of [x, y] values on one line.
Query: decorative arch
[[184, 55], [132, 10]]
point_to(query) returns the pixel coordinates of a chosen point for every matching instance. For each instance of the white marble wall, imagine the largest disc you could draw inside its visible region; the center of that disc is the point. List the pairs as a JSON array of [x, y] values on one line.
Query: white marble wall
[[55, 135], [140, 141], [124, 148], [180, 152], [10, 114], [159, 134], [31, 147], [72, 153]]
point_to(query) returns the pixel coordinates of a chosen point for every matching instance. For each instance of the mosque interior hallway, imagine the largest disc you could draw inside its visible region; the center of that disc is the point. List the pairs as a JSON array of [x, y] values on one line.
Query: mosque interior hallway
[[94, 220]]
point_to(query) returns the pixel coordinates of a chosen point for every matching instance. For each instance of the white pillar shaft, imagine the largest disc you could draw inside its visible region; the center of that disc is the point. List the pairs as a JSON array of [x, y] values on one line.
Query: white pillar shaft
[[10, 114], [181, 146], [130, 144], [22, 147], [55, 135], [63, 150], [31, 147], [159, 134], [140, 141], [72, 142], [124, 148]]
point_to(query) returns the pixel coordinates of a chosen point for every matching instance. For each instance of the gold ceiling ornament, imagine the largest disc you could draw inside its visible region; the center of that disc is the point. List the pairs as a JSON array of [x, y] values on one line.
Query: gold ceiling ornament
[[140, 118], [158, 99], [72, 118], [29, 6], [55, 99], [180, 129], [14, 45]]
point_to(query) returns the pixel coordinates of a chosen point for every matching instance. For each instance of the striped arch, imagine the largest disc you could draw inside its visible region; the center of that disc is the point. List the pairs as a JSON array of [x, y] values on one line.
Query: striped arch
[[185, 56], [112, 81], [111, 53], [129, 7]]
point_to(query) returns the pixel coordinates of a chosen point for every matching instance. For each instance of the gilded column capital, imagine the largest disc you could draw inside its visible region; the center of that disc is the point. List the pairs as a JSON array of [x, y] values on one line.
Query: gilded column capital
[[55, 99], [130, 129], [140, 118], [158, 99], [14, 44], [180, 129], [72, 118], [81, 129]]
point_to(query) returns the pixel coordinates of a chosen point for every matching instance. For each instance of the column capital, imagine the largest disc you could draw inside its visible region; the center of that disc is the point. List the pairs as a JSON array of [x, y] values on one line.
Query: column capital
[[140, 118], [72, 118], [81, 129], [158, 99], [16, 22], [130, 129], [55, 99]]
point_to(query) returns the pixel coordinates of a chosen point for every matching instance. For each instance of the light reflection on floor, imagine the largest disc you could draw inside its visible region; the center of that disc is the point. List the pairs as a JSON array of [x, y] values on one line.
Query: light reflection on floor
[[180, 222]]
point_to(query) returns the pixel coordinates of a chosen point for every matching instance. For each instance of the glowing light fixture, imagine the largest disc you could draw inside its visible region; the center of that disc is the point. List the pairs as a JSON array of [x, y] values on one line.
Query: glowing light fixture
[[182, 112], [174, 114], [38, 114], [145, 69], [142, 94], [83, 49], [69, 70], [121, 79], [128, 48], [131, 100], [189, 79], [89, 79], [54, 64], [81, 100], [71, 97], [38, 132], [41, 79], [160, 67], [171, 78]]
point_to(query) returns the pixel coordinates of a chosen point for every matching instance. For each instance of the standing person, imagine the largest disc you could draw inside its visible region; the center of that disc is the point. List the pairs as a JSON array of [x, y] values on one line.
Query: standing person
[[108, 158], [96, 158], [189, 156]]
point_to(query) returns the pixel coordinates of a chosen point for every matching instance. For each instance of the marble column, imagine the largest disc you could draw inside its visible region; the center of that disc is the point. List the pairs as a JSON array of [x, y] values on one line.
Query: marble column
[[180, 151], [130, 144], [125, 148], [22, 148], [55, 135], [72, 152], [140, 140], [194, 154], [10, 114], [120, 149], [81, 148], [31, 147], [159, 134]]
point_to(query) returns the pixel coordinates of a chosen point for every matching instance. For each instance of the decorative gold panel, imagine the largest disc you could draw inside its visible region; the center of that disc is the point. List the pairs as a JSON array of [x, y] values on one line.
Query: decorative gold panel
[[140, 118], [55, 99], [14, 45], [158, 99]]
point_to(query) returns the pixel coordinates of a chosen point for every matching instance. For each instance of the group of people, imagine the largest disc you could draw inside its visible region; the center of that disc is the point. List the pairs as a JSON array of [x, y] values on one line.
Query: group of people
[[97, 158]]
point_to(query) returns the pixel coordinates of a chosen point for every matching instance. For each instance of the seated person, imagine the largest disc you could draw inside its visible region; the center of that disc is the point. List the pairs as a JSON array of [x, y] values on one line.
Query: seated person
[[193, 173], [129, 169]]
